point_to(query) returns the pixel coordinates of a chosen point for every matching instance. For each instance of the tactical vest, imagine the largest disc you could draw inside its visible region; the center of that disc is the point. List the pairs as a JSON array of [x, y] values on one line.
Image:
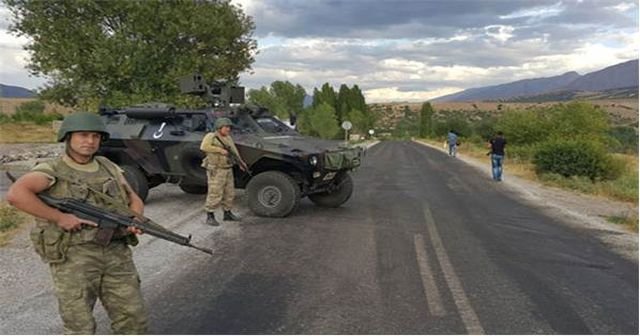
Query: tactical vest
[[50, 241], [217, 160]]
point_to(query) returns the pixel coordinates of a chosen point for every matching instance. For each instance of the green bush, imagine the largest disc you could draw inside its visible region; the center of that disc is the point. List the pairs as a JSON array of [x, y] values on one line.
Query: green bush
[[31, 107], [9, 217], [522, 152], [31, 111], [578, 120], [484, 128], [524, 127], [625, 139], [576, 158], [452, 121]]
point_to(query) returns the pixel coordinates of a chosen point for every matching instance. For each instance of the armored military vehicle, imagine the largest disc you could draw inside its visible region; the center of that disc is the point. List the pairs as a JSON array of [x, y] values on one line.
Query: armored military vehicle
[[157, 144]]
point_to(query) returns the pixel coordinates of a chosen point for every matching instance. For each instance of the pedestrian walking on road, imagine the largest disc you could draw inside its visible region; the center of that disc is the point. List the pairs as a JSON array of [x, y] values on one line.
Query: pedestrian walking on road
[[86, 262], [452, 140], [497, 144], [221, 154]]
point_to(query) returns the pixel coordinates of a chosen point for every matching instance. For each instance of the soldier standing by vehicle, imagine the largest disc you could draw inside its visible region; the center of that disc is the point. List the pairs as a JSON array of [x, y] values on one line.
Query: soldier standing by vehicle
[[86, 262], [220, 149]]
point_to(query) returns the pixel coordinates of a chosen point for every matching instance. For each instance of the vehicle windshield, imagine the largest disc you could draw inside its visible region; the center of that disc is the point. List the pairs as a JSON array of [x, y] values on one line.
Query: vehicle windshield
[[269, 125], [274, 126]]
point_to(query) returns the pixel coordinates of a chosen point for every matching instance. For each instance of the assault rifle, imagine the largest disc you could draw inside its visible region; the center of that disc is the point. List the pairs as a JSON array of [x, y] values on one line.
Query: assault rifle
[[108, 220], [235, 159]]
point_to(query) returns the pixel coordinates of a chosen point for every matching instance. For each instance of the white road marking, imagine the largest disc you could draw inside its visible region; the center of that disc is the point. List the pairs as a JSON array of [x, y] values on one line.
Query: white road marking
[[468, 315], [431, 293]]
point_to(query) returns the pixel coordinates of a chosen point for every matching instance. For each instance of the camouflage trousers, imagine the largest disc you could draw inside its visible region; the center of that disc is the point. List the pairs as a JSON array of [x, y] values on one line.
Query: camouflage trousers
[[94, 272], [220, 189]]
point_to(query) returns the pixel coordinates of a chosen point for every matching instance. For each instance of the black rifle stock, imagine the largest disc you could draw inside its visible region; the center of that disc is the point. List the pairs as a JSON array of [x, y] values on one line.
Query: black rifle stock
[[111, 220], [235, 159]]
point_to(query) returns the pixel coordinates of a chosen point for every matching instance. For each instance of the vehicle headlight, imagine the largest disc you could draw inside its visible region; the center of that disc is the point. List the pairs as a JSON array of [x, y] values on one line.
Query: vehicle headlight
[[313, 160]]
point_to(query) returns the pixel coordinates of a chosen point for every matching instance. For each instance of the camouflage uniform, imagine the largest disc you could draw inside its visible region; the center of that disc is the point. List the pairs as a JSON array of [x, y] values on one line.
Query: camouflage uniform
[[83, 270], [219, 172]]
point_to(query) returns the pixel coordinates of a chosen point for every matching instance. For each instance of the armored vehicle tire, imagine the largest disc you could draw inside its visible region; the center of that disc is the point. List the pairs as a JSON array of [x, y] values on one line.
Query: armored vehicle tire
[[273, 194], [338, 196], [136, 180], [194, 189]]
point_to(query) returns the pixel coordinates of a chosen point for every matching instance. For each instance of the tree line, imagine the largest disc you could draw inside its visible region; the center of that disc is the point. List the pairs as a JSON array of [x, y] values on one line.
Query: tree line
[[568, 139], [326, 112]]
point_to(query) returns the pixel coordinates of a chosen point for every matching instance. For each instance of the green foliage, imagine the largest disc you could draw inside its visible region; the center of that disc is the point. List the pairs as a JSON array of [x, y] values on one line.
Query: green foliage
[[426, 120], [484, 129], [326, 95], [408, 126], [121, 52], [359, 121], [321, 121], [10, 218], [31, 107], [31, 111], [344, 103], [452, 121], [576, 158], [578, 120], [282, 98], [624, 139], [524, 127]]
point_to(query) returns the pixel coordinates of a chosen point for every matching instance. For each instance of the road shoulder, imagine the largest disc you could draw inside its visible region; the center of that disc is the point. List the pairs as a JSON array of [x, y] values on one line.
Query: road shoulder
[[580, 211]]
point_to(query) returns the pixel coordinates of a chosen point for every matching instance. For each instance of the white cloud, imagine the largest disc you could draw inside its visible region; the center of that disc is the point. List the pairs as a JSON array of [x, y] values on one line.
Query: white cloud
[[536, 13], [623, 7], [499, 32], [394, 94]]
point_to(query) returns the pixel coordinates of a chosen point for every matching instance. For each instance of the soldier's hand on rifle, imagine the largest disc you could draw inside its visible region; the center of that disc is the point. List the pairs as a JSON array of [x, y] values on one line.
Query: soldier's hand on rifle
[[225, 152], [70, 222], [243, 166], [134, 230]]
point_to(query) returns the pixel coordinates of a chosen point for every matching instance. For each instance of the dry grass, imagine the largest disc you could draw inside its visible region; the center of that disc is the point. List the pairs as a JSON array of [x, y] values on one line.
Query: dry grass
[[621, 111], [9, 106], [624, 188], [11, 220], [523, 169], [26, 133]]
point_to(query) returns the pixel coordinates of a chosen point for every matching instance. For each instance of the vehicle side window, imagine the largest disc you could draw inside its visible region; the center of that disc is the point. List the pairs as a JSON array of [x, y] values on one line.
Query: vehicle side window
[[199, 123]]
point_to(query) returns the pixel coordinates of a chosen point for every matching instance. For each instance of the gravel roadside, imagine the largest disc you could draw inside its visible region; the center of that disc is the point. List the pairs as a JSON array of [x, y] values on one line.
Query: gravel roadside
[[583, 212]]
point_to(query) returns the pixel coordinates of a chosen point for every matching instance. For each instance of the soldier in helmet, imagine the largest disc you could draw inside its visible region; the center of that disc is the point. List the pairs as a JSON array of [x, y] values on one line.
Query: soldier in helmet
[[218, 162], [82, 266]]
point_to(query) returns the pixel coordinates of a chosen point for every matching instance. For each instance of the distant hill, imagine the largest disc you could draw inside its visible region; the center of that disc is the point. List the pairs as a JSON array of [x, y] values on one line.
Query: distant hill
[[621, 75], [566, 86], [523, 87], [8, 91]]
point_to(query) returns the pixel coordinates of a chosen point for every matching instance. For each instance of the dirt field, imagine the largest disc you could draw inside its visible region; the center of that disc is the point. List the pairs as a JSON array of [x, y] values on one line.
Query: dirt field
[[622, 111]]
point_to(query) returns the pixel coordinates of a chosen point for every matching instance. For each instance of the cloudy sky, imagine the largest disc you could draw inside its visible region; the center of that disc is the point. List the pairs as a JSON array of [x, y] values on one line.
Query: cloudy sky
[[413, 50]]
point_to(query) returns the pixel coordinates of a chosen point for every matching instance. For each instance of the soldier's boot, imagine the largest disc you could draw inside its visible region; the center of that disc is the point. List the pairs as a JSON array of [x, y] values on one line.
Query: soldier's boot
[[211, 219], [230, 216]]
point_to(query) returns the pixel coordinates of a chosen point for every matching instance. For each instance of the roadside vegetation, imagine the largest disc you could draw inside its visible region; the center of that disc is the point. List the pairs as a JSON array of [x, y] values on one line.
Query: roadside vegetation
[[28, 124], [570, 145], [10, 220]]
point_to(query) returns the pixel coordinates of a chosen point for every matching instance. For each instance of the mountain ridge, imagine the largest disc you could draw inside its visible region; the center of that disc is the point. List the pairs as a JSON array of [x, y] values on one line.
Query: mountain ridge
[[11, 91], [621, 75]]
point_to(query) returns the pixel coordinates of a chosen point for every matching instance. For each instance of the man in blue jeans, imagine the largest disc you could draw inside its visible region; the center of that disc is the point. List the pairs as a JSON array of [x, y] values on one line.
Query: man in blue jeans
[[497, 144], [452, 140]]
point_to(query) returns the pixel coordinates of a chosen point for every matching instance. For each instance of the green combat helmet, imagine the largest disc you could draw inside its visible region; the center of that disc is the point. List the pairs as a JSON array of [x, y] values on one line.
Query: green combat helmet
[[82, 121], [221, 122]]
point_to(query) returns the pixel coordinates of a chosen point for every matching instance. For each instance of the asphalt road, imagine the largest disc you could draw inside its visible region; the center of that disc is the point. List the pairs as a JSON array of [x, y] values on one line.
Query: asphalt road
[[426, 245]]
